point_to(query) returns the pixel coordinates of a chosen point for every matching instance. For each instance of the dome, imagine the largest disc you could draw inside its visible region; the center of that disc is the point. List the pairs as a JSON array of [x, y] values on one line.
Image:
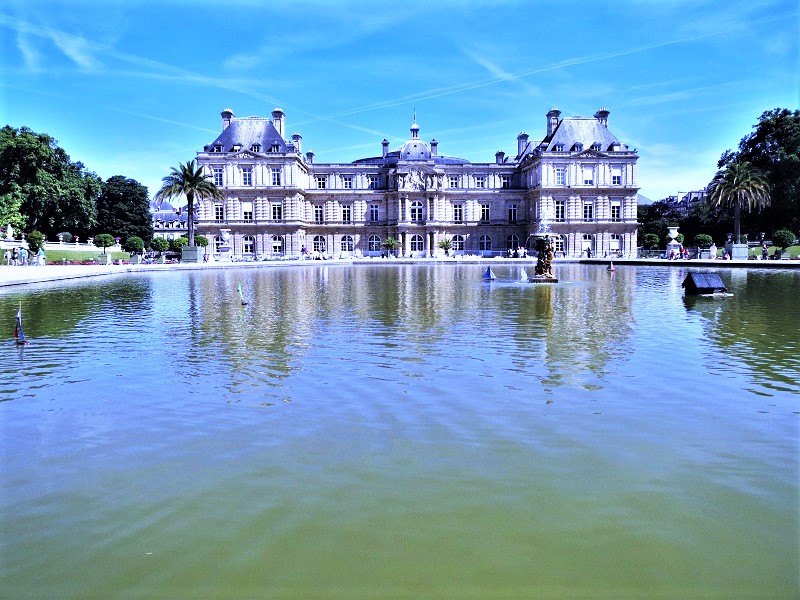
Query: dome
[[415, 149]]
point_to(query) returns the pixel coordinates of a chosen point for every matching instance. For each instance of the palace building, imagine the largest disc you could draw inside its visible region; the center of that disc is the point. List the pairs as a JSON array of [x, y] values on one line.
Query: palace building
[[578, 183]]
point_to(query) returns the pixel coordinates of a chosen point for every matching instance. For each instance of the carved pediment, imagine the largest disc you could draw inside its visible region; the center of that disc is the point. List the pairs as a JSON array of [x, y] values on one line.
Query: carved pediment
[[592, 153]]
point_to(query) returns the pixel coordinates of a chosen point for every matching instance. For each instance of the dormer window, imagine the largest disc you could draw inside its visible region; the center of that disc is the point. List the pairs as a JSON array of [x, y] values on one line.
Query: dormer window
[[237, 147], [217, 148], [256, 148], [578, 147], [275, 148], [597, 147], [559, 147]]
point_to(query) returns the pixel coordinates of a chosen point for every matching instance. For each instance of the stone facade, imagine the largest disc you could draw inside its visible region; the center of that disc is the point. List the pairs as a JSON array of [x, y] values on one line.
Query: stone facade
[[578, 183]]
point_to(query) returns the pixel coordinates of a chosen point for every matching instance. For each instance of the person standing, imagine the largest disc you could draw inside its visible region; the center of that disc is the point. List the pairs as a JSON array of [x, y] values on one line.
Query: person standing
[[14, 256], [7, 256], [23, 256], [764, 251]]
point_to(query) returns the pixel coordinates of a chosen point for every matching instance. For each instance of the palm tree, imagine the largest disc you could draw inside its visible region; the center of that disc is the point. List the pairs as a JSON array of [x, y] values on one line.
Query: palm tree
[[740, 185], [188, 180]]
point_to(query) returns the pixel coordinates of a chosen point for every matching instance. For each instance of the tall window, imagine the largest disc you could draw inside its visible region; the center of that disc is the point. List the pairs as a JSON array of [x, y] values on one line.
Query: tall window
[[217, 176], [588, 177], [321, 181], [416, 210], [588, 211], [247, 176], [277, 244], [373, 213], [219, 213], [276, 175], [319, 214], [512, 242], [347, 182], [512, 214], [505, 181], [248, 244], [247, 211], [561, 210], [586, 243], [277, 212], [318, 244], [558, 244], [616, 210], [217, 244], [616, 180], [561, 177], [417, 243], [347, 243], [372, 182], [453, 181], [374, 243], [485, 243], [615, 244], [347, 213], [480, 181], [458, 242], [458, 213], [484, 212]]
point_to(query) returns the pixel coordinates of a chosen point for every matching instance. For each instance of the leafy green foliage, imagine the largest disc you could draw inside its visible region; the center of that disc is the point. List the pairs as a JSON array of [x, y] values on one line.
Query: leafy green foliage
[[123, 208], [200, 240], [160, 244], [703, 240], [51, 192], [134, 244], [104, 240], [650, 240], [657, 218], [176, 244], [190, 181], [741, 186], [783, 238], [35, 241]]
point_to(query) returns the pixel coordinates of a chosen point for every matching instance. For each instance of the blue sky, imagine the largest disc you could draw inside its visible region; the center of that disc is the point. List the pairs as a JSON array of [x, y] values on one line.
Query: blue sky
[[133, 88]]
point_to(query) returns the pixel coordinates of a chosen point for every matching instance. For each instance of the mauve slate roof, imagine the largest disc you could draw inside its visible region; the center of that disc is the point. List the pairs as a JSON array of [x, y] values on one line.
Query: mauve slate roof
[[586, 130], [247, 131]]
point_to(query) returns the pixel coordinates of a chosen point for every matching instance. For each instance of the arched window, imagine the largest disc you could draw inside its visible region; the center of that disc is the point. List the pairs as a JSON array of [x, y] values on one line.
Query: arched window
[[512, 242], [318, 244], [277, 244], [248, 244], [586, 243], [416, 210], [417, 243], [485, 243], [217, 243], [374, 243], [458, 242], [558, 244], [347, 243]]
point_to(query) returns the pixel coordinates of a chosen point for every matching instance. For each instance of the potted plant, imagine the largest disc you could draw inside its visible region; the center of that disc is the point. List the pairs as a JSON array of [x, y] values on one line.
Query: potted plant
[[134, 245], [391, 244], [782, 239], [160, 245], [104, 240], [446, 244]]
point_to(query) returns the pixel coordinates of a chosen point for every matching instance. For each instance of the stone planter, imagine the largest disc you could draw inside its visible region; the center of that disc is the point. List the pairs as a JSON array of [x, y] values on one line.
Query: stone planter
[[136, 259], [192, 254], [104, 259]]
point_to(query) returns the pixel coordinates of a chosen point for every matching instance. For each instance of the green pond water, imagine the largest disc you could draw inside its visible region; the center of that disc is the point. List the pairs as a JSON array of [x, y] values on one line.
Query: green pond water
[[401, 431]]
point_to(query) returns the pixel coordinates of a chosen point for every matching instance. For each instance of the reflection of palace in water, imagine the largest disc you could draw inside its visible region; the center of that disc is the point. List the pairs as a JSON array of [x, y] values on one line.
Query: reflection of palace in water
[[578, 182], [567, 332]]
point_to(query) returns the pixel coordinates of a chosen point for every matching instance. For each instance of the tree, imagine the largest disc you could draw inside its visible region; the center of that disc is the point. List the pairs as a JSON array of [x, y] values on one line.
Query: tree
[[783, 238], [123, 208], [188, 180], [160, 245], [391, 244], [51, 192], [104, 240], [201, 240], [650, 240], [134, 244], [703, 240], [774, 149], [739, 185], [177, 243], [35, 241]]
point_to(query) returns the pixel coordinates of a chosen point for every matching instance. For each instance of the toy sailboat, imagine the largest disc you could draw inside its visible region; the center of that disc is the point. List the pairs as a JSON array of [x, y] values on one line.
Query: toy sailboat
[[489, 275], [241, 296], [19, 335]]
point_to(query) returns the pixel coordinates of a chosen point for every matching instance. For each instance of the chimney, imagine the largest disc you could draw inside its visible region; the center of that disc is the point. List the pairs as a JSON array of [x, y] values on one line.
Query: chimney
[[385, 144], [602, 116], [277, 120], [310, 157], [434, 147], [226, 115], [552, 121], [522, 143], [499, 157], [298, 142]]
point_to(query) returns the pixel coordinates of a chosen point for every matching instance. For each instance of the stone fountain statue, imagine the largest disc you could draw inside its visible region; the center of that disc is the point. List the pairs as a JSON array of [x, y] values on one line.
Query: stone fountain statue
[[544, 264]]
